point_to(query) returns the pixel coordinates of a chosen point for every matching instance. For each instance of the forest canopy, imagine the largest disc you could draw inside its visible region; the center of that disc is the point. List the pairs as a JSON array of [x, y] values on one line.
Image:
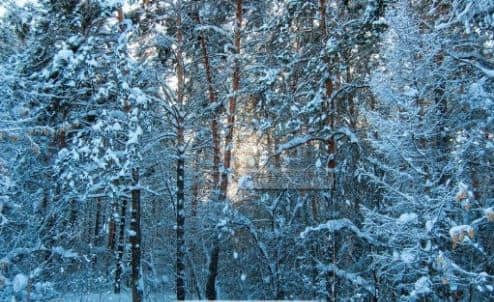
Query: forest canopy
[[160, 150]]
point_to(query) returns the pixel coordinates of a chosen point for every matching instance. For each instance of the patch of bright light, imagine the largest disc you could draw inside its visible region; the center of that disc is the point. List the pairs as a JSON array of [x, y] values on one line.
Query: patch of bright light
[[20, 3]]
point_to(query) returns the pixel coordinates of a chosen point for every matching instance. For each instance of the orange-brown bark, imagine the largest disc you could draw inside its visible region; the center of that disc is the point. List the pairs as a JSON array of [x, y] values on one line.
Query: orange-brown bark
[[120, 15], [331, 144], [232, 103], [212, 100]]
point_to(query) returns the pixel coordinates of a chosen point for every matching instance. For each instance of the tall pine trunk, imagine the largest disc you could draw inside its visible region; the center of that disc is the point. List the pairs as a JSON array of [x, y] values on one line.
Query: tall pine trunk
[[214, 259], [111, 226], [180, 260], [180, 220], [212, 100], [330, 105], [120, 249], [232, 104], [135, 237]]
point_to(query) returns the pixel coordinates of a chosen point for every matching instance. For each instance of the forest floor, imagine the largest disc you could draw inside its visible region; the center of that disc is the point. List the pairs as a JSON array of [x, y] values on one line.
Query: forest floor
[[110, 297]]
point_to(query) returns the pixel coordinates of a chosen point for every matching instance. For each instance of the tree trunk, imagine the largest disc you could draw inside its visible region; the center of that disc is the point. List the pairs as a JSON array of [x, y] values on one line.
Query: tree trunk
[[442, 138], [331, 144], [232, 104], [135, 237], [180, 261], [213, 272], [120, 15], [213, 265], [95, 234], [193, 277], [111, 226], [331, 278], [97, 222], [120, 250], [195, 194], [322, 23], [352, 112], [195, 184], [331, 122], [180, 221], [73, 213], [212, 100]]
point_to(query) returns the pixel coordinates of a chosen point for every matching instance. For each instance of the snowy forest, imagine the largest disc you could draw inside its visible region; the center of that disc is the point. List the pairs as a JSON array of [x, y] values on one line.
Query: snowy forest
[[161, 150]]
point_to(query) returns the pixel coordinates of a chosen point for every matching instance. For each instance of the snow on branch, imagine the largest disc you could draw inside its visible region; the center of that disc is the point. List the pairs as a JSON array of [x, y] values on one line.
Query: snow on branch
[[301, 140], [487, 71], [64, 253], [298, 141], [213, 28], [352, 277], [336, 225]]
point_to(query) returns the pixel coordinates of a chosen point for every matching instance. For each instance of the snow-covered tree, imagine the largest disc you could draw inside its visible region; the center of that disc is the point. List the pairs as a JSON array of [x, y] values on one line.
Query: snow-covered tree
[[428, 220]]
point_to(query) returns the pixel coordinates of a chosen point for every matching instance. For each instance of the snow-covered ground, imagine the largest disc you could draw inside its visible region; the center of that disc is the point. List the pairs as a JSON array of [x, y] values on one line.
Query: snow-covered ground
[[110, 297]]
